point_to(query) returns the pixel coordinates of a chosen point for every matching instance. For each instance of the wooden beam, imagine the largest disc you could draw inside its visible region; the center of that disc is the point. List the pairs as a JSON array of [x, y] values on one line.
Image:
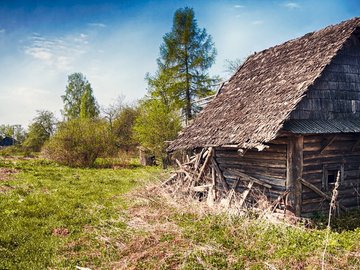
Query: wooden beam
[[249, 178], [294, 171], [219, 173], [245, 193], [208, 157], [356, 144], [328, 143], [318, 191]]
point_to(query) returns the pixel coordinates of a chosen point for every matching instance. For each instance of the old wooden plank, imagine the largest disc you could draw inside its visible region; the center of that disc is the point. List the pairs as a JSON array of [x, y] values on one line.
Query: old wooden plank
[[329, 154], [276, 172], [245, 193], [247, 177], [318, 191], [219, 173], [294, 172], [327, 143], [252, 155], [205, 164], [355, 145], [252, 162]]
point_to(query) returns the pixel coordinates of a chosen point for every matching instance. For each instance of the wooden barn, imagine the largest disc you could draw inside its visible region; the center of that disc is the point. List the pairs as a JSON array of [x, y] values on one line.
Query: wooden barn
[[289, 119]]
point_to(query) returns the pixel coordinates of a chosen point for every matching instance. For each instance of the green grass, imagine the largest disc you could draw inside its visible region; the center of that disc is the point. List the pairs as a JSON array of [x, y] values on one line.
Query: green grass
[[55, 217], [85, 205]]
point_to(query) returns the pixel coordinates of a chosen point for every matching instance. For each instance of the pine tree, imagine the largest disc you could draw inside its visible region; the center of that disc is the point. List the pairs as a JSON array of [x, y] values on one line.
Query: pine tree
[[186, 54]]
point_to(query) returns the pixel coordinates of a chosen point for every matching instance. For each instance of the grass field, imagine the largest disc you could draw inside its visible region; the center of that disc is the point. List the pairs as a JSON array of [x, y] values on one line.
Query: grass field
[[55, 217]]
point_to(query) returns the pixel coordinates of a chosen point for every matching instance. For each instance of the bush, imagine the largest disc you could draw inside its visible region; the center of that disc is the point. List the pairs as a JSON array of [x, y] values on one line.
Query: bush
[[78, 142]]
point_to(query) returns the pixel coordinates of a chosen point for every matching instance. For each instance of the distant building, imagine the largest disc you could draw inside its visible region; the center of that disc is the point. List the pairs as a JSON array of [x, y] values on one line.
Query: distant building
[[7, 141]]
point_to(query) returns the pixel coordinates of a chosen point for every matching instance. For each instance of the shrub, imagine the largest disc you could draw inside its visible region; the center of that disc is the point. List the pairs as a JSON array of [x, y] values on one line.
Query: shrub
[[78, 142]]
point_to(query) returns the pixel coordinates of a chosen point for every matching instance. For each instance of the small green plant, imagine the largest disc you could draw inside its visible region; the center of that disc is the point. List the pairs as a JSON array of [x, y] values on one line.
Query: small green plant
[[79, 142]]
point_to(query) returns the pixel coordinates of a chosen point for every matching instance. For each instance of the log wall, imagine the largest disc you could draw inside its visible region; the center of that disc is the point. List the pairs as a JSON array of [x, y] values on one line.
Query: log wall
[[342, 152], [268, 166], [336, 93]]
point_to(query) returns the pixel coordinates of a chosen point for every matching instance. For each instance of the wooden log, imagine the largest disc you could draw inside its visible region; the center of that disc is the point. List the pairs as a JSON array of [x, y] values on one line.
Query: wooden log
[[214, 183], [318, 191], [294, 171], [169, 180], [273, 172], [246, 193], [219, 173], [247, 177], [206, 162], [252, 162], [202, 188]]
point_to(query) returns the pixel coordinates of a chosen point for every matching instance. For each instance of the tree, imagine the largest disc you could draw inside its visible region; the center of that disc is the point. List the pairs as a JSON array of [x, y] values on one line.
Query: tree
[[156, 124], [78, 142], [78, 87], [123, 128], [14, 131], [112, 111], [40, 130], [186, 54], [231, 66], [88, 106]]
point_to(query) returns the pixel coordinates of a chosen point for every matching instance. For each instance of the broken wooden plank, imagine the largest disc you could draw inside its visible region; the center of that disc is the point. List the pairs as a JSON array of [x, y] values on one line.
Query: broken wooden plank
[[169, 180], [318, 191], [202, 188], [245, 193], [207, 160]]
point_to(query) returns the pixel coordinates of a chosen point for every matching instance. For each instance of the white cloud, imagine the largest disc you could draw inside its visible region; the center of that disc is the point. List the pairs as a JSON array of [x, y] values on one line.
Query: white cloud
[[292, 5], [102, 25], [239, 6], [57, 52]]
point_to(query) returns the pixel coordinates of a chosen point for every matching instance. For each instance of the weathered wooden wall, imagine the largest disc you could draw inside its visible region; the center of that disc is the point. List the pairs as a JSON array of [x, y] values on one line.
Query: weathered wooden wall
[[336, 94], [268, 166], [342, 151]]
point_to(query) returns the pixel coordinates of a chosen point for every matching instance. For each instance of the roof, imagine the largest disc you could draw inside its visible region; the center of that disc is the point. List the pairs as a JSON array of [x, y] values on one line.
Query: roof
[[322, 126], [253, 105]]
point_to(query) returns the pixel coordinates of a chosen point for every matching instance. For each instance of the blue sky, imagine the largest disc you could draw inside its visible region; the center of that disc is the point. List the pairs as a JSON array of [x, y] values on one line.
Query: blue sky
[[115, 43]]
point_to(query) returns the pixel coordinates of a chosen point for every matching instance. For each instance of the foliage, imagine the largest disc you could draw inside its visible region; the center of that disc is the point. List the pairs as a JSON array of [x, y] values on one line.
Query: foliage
[[55, 217], [156, 124], [14, 131], [15, 151], [42, 127], [186, 54], [88, 106], [78, 91], [79, 142], [112, 111], [123, 128]]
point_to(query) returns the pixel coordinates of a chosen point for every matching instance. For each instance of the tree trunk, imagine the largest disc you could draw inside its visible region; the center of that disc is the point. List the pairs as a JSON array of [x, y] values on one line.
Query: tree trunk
[[188, 114]]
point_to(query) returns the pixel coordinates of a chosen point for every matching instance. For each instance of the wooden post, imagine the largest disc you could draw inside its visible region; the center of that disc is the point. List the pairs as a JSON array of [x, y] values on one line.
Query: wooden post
[[294, 172]]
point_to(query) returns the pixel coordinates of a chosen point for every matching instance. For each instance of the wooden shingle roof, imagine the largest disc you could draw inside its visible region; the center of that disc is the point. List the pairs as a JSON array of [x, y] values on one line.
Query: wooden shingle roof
[[252, 106]]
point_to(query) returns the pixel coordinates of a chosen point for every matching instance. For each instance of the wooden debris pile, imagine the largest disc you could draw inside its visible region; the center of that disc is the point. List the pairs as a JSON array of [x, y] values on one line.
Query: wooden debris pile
[[200, 177]]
